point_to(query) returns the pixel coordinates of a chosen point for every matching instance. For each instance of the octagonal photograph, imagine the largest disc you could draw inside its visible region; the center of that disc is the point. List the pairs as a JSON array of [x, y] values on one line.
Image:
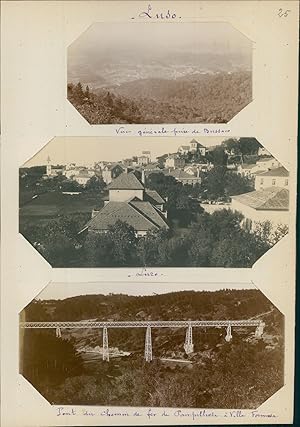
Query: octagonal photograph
[[153, 202], [204, 346], [142, 73]]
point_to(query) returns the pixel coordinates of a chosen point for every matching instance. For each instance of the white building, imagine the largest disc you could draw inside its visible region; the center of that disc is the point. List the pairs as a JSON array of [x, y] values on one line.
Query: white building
[[174, 161], [278, 177], [193, 147], [269, 204], [143, 160], [82, 178]]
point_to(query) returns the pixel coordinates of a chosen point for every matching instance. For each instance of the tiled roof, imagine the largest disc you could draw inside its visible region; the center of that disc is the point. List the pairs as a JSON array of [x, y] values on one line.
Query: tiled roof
[[282, 171], [265, 159], [153, 197], [272, 198], [140, 215], [126, 181], [185, 147], [146, 209]]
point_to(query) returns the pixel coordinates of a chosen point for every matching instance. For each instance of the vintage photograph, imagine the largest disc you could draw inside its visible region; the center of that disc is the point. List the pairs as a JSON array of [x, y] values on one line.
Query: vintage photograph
[[150, 73], [208, 346], [153, 202]]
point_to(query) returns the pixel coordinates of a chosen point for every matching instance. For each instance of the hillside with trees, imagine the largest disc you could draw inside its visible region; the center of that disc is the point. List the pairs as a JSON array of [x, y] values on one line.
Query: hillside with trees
[[239, 374], [198, 98]]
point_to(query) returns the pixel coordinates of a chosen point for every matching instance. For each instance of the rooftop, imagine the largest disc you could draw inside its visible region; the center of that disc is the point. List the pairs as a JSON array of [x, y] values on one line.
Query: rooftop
[[272, 198], [281, 171], [265, 159], [126, 181], [153, 197], [199, 143], [142, 216]]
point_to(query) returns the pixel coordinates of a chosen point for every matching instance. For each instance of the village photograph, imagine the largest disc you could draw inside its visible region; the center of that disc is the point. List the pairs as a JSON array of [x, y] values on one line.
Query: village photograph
[[153, 202], [209, 346], [139, 73]]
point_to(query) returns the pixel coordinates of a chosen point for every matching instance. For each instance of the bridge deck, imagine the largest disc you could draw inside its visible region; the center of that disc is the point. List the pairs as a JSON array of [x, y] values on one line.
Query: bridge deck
[[140, 324]]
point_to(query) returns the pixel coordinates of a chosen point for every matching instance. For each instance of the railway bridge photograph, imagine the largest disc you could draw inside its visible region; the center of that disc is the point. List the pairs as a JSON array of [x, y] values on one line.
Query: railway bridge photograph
[[207, 345]]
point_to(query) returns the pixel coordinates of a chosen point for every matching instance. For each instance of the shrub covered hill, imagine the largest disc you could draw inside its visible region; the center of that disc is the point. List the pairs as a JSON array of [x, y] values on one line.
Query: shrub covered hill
[[239, 374], [197, 98]]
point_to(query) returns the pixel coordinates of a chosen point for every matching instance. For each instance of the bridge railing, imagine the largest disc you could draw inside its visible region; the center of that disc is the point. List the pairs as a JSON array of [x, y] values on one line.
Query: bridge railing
[[141, 324]]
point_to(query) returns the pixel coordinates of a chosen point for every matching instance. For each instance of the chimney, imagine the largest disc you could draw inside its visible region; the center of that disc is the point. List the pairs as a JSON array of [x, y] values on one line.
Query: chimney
[[143, 176]]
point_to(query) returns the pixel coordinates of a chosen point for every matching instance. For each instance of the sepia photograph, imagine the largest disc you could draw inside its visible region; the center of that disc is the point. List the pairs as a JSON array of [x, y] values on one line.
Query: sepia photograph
[[156, 202], [154, 73], [215, 345]]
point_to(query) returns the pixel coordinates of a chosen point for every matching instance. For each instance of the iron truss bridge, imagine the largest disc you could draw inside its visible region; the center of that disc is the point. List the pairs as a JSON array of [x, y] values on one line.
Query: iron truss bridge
[[140, 324], [188, 324]]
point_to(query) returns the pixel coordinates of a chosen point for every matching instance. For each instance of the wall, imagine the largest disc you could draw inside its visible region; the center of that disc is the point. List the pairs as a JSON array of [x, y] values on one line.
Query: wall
[[276, 217], [124, 195], [267, 181]]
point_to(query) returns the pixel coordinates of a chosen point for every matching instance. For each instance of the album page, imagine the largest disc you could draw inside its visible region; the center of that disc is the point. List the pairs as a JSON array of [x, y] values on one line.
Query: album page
[[148, 212]]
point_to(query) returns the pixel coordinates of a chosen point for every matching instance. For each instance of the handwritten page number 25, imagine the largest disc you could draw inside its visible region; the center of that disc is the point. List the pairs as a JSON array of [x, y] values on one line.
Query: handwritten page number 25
[[283, 13]]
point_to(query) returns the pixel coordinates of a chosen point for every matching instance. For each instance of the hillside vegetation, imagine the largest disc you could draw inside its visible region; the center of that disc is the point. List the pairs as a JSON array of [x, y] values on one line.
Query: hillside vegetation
[[198, 98]]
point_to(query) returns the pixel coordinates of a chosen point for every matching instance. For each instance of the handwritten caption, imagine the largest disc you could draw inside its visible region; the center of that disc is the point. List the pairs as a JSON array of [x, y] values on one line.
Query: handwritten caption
[[145, 273], [150, 14], [170, 131], [152, 413]]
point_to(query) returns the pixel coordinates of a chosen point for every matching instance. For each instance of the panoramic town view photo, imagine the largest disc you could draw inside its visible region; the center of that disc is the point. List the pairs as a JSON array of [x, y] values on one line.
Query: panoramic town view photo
[[153, 202], [139, 73], [209, 346]]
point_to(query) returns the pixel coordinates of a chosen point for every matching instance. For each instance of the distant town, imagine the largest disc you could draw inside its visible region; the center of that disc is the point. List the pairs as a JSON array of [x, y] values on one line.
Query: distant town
[[168, 193]]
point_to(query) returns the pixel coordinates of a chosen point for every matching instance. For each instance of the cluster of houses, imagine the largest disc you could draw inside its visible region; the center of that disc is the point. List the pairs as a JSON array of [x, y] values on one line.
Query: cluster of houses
[[174, 164], [131, 202]]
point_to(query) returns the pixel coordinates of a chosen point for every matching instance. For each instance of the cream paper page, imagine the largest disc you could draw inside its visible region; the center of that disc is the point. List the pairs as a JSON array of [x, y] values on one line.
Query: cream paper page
[[35, 110]]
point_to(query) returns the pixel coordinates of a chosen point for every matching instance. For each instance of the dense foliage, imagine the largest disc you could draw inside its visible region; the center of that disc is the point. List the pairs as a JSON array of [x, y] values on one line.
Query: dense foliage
[[213, 240], [201, 98]]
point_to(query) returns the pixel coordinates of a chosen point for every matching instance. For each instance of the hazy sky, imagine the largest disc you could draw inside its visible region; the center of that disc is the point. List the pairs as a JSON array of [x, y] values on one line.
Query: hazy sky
[[66, 290], [217, 37], [86, 150]]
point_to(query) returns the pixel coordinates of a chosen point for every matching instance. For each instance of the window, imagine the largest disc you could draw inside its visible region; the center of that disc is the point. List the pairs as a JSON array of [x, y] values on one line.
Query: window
[[273, 181], [261, 181], [286, 182]]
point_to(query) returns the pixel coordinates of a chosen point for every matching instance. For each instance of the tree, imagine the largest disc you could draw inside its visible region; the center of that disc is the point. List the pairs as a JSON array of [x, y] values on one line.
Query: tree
[[214, 182], [218, 156], [124, 242], [47, 361], [249, 145], [78, 92], [95, 184], [232, 146], [237, 184], [239, 250]]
